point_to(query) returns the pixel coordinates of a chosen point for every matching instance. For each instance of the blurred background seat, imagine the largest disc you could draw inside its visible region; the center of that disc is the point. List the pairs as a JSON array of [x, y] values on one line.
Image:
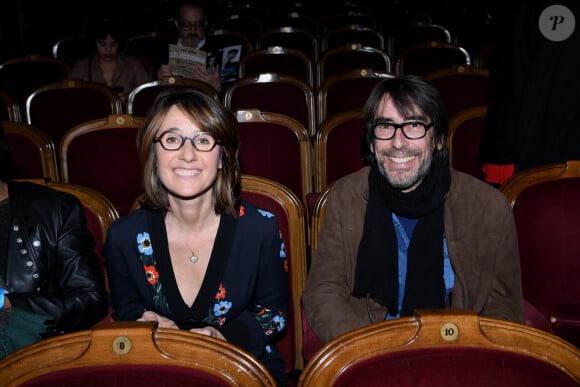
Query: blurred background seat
[[33, 152], [102, 154], [57, 107], [141, 98], [22, 75], [276, 147], [546, 210], [275, 93]]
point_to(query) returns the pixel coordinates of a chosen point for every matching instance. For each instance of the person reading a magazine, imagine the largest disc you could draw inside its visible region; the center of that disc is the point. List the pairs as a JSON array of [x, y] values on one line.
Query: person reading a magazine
[[191, 23]]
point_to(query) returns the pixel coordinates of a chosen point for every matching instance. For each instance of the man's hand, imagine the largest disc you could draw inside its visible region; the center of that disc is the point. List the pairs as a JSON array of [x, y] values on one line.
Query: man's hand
[[200, 73], [164, 71]]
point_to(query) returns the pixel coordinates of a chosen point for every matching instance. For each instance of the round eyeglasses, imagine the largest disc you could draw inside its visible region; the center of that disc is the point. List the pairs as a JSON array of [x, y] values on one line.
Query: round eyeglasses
[[171, 141], [412, 130]]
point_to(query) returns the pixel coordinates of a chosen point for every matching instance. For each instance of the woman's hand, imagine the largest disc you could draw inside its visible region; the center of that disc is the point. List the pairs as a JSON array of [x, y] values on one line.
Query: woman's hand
[[162, 322], [208, 331]]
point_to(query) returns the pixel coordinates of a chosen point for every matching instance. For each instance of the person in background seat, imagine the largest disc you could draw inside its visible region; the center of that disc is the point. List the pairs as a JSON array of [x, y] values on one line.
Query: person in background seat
[[50, 279], [109, 66], [192, 23]]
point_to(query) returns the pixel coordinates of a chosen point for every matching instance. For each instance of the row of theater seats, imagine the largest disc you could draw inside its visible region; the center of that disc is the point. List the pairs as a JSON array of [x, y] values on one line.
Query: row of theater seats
[[433, 349], [311, 34], [58, 105], [462, 348], [273, 145], [295, 52]]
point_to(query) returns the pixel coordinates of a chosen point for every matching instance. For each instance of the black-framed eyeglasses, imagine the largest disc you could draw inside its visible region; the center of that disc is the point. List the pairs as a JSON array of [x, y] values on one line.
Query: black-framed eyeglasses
[[195, 25], [412, 130], [171, 141]]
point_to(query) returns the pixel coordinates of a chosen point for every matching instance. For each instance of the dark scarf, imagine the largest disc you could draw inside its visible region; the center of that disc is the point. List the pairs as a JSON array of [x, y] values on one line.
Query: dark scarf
[[377, 269]]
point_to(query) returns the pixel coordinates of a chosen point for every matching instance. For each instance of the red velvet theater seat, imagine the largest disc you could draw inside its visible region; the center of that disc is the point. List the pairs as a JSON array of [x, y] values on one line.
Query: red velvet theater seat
[[288, 209], [102, 154], [450, 348], [127, 354], [547, 212]]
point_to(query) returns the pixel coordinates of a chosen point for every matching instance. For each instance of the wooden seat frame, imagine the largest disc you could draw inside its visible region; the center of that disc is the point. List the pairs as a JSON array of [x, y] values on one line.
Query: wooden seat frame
[[430, 329], [121, 344]]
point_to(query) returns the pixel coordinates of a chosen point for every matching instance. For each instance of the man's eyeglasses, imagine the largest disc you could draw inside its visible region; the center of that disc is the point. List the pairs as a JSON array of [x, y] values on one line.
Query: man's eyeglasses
[[171, 141], [413, 130], [195, 25]]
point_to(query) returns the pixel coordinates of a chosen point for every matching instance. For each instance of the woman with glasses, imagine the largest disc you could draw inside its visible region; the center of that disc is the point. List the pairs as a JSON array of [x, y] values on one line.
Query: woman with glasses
[[194, 256]]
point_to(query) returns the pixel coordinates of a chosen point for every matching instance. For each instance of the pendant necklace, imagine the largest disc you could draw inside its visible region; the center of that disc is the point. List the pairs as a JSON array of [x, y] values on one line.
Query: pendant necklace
[[193, 258]]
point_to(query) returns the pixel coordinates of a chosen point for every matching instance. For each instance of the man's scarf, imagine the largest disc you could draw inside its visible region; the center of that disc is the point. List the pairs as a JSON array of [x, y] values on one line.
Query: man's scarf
[[377, 269]]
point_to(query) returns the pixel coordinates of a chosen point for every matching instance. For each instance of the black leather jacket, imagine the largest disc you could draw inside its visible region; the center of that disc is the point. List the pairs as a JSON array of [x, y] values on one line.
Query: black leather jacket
[[51, 268]]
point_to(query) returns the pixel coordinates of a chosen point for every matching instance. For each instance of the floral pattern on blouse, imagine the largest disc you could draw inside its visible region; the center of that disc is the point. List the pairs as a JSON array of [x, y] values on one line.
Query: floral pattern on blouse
[[149, 266], [268, 214], [269, 321]]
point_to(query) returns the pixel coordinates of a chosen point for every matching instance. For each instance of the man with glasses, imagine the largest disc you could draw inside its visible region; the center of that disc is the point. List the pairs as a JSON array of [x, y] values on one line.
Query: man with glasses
[[191, 22], [408, 232]]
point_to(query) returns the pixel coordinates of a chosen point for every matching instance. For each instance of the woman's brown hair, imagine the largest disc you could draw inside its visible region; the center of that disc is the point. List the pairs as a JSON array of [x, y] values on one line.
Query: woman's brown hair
[[211, 117]]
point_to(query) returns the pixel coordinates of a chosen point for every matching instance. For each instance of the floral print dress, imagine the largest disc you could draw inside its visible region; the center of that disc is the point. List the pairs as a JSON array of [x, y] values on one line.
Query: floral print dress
[[244, 293]]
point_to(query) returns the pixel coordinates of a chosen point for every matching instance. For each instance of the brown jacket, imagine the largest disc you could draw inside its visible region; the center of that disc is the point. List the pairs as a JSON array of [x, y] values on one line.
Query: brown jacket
[[482, 244]]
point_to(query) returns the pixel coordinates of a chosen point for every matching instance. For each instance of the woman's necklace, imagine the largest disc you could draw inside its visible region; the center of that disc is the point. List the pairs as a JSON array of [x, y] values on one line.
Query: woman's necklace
[[193, 257]]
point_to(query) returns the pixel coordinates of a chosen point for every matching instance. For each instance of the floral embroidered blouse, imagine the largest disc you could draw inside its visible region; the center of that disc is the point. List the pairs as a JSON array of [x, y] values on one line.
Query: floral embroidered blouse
[[244, 293]]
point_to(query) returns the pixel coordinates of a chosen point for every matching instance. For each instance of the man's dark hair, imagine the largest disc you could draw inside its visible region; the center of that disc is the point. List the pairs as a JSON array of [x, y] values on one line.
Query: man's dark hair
[[406, 93]]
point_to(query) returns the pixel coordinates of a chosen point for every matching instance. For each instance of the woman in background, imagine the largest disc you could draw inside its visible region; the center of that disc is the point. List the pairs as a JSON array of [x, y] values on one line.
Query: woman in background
[[109, 65]]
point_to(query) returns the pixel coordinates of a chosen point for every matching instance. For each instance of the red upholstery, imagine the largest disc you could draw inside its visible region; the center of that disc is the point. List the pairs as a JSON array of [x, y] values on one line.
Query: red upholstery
[[141, 98], [286, 345], [347, 91], [274, 93], [108, 163], [271, 151], [129, 375], [461, 87], [453, 367], [102, 155], [278, 200], [465, 131], [444, 347], [310, 342], [340, 147], [546, 218], [58, 107], [131, 353]]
